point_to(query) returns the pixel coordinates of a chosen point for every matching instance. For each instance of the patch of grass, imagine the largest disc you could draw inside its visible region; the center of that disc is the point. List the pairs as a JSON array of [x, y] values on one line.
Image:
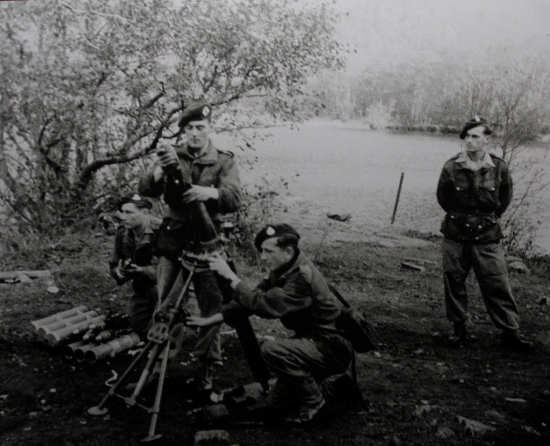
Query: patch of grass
[[539, 265]]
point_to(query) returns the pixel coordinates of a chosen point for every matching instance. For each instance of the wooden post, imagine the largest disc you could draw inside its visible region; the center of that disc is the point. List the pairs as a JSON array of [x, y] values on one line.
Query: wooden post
[[397, 198]]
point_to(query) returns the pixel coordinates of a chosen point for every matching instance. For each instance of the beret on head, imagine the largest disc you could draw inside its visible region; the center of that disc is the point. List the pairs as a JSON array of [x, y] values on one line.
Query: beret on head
[[135, 199], [271, 231], [475, 122], [195, 112]]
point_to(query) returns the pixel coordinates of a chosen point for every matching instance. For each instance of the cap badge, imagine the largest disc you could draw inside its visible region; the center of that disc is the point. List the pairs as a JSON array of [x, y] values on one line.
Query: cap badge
[[205, 111], [477, 118], [136, 197], [270, 231]]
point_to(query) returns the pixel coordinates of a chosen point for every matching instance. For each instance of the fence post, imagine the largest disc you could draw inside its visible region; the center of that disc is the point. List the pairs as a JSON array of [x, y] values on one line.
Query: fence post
[[397, 198]]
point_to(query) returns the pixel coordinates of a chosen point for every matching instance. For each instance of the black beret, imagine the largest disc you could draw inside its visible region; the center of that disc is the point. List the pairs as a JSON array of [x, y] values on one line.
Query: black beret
[[271, 231], [137, 200], [195, 112], [476, 121]]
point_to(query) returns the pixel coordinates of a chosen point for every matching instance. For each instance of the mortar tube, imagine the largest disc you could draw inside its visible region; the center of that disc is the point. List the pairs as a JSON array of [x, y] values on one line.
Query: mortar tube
[[68, 350], [112, 348], [80, 352], [50, 328], [56, 317], [64, 332], [67, 332]]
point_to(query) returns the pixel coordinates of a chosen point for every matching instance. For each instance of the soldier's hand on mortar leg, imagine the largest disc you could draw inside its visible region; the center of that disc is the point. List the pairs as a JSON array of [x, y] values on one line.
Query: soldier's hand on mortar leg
[[219, 265], [200, 193], [196, 321]]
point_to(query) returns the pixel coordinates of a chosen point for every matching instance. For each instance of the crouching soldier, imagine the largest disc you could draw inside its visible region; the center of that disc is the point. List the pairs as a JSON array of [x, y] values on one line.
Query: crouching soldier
[[297, 294], [132, 260]]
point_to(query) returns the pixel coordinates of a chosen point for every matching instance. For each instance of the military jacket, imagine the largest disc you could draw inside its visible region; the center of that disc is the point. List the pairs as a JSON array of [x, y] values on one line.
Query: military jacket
[[474, 199], [179, 230], [215, 168], [299, 297]]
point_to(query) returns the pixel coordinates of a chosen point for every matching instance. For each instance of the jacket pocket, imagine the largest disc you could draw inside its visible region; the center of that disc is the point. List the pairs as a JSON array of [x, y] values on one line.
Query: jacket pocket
[[462, 183], [488, 195]]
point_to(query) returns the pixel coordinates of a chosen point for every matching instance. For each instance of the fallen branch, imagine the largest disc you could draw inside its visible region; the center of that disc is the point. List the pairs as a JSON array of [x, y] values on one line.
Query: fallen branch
[[33, 274]]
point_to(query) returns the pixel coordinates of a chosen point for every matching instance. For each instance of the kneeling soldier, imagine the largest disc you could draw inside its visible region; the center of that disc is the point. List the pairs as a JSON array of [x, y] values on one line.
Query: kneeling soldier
[[132, 260], [297, 294], [474, 189]]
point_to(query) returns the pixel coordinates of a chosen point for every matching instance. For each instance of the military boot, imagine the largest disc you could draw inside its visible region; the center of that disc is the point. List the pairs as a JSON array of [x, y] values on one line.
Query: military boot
[[511, 340], [459, 336]]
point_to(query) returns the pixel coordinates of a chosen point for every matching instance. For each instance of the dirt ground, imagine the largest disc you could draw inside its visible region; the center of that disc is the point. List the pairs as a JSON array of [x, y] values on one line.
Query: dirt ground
[[418, 391]]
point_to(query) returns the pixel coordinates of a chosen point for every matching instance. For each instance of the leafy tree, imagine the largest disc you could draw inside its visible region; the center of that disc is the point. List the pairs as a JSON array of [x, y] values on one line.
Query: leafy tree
[[91, 87]]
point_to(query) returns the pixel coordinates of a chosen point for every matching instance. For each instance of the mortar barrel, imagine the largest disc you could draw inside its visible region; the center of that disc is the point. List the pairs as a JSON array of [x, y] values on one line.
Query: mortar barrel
[[56, 317], [112, 348], [80, 352], [66, 332], [68, 350], [67, 322]]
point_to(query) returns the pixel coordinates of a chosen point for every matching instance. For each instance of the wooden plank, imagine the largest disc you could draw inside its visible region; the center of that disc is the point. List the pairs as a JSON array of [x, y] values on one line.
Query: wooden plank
[[33, 274], [412, 266]]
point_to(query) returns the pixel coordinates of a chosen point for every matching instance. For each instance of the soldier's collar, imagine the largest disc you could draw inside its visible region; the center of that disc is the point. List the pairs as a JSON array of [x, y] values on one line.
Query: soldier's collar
[[210, 155], [146, 228], [284, 270], [465, 160]]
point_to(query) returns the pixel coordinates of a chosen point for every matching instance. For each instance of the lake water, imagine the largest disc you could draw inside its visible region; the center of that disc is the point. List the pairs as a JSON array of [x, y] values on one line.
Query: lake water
[[331, 167]]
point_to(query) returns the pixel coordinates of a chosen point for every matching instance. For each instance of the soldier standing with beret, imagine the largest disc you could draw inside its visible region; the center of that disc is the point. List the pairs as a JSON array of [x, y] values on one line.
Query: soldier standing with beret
[[132, 259], [474, 189], [215, 182], [296, 293]]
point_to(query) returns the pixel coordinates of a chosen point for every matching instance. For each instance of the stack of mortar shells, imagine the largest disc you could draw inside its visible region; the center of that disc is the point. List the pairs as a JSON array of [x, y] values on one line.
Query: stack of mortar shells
[[59, 328]]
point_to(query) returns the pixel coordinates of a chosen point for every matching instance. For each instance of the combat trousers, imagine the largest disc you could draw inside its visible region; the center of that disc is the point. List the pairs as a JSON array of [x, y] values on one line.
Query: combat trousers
[[301, 364], [140, 310], [490, 268], [171, 277]]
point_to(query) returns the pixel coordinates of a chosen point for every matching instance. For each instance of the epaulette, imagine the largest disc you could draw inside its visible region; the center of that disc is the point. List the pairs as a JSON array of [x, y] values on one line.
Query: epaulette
[[226, 152], [496, 157], [452, 159], [155, 222]]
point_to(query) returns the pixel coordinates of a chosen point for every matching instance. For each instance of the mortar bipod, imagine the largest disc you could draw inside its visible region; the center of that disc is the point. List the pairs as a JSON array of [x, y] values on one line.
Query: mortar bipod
[[159, 346]]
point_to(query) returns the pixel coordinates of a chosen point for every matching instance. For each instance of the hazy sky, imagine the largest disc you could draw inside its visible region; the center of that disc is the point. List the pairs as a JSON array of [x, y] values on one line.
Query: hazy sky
[[386, 31]]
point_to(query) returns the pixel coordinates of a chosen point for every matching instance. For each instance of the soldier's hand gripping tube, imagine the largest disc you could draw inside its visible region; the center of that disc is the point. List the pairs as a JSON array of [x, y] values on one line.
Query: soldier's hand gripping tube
[[175, 188]]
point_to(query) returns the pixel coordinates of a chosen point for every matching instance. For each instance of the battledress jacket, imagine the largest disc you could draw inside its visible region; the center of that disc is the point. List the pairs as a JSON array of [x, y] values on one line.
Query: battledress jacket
[[298, 295], [215, 168], [140, 252], [474, 200]]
